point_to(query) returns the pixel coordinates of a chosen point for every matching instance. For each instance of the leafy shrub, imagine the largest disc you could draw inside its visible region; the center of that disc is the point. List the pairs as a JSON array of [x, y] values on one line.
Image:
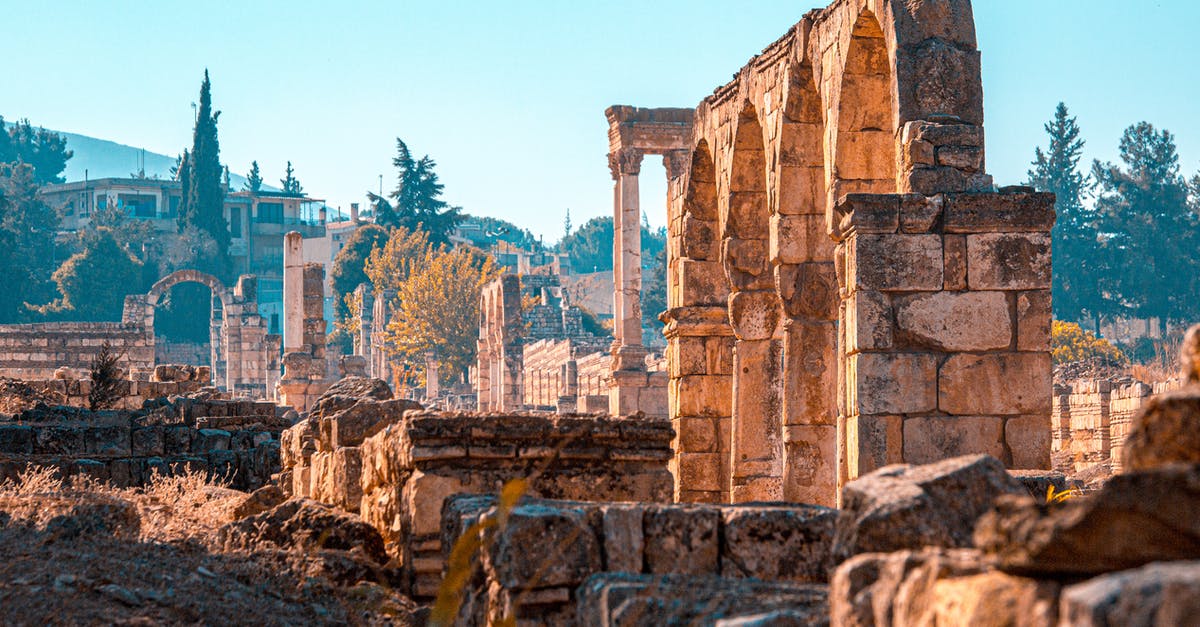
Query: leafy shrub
[[1069, 343]]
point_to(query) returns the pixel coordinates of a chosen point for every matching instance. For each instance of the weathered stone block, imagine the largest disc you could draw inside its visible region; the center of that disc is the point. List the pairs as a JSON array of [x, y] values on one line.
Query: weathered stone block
[[210, 440], [700, 240], [910, 507], [810, 464], [544, 547], [708, 395], [1028, 437], [869, 213], [873, 442], [920, 214], [936, 79], [893, 383], [966, 158], [622, 538], [777, 543], [808, 290], [754, 315], [928, 439], [929, 181], [1159, 594], [954, 256], [697, 435], [954, 322], [999, 213], [702, 283], [868, 321], [995, 384], [1008, 261], [681, 539], [906, 263], [1033, 320], [700, 471]]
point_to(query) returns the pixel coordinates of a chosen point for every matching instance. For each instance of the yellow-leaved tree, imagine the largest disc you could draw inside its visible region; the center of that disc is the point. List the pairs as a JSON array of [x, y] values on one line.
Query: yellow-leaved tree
[[436, 303]]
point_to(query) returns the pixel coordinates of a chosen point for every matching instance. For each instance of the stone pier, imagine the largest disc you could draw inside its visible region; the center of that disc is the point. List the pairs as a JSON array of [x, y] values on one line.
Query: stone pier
[[305, 372]]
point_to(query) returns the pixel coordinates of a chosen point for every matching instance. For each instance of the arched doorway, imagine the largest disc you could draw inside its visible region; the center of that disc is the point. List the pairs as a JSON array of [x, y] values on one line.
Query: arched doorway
[[219, 318]]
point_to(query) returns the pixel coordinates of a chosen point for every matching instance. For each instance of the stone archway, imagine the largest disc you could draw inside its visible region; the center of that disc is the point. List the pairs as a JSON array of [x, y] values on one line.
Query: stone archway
[[219, 334]]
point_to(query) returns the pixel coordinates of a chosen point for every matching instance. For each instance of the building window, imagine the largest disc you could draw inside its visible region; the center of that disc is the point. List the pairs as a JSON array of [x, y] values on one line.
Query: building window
[[101, 202], [138, 205], [270, 212], [235, 221]]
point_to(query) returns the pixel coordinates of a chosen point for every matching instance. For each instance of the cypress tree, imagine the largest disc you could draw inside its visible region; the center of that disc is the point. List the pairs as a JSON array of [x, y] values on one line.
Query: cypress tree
[[254, 178], [204, 205]]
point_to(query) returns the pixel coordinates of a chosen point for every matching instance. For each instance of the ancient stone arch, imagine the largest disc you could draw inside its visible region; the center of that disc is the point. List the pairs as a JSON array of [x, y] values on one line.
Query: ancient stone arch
[[244, 358], [867, 261]]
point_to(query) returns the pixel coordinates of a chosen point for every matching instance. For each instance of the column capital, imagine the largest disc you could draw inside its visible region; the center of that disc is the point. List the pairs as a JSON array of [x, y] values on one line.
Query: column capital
[[626, 161], [676, 162]]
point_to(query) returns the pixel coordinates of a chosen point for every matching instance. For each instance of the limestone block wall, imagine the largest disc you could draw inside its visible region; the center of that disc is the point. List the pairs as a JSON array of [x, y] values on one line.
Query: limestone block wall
[[533, 565], [190, 353], [398, 476], [233, 440], [133, 394], [945, 323], [35, 351], [545, 374], [1091, 419]]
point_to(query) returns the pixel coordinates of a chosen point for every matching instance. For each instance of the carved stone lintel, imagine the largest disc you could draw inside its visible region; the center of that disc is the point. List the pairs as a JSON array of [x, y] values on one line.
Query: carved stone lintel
[[676, 162]]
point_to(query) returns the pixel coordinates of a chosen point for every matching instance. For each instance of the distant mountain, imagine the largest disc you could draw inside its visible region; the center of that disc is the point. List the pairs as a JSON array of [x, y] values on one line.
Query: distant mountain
[[101, 158]]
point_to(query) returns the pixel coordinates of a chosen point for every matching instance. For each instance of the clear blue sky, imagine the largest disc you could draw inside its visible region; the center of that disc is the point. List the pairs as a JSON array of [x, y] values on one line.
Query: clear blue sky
[[509, 97]]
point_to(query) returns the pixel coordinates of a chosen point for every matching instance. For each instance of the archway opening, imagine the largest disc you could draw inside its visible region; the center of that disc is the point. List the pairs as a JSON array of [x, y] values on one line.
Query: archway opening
[[866, 138], [186, 325]]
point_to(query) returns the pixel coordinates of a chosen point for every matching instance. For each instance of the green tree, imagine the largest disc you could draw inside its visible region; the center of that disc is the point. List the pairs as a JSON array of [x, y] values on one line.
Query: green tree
[[130, 234], [203, 203], [417, 203], [291, 185], [27, 228], [44, 151], [349, 265], [1148, 229], [591, 247], [567, 224], [253, 179], [654, 290], [1076, 287], [94, 281]]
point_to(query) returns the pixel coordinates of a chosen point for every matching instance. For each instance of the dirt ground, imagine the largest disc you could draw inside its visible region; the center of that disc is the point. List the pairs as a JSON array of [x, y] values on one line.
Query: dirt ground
[[93, 555]]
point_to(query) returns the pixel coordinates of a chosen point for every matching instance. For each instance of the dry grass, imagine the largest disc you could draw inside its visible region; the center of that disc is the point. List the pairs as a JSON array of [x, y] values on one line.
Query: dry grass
[[79, 551]]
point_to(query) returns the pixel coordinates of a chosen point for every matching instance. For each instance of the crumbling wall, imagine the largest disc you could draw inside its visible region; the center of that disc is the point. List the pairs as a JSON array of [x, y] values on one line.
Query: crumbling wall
[[36, 351], [1091, 420], [397, 468], [232, 440], [532, 567]]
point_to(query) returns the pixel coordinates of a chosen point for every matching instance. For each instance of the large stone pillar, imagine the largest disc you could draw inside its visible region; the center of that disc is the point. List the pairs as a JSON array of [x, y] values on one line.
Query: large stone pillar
[[757, 446], [293, 292], [627, 263], [629, 377]]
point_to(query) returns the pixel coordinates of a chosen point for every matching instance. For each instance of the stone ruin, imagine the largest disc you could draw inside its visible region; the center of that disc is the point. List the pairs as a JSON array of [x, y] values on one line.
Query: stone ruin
[[539, 356], [306, 371], [243, 355], [846, 287]]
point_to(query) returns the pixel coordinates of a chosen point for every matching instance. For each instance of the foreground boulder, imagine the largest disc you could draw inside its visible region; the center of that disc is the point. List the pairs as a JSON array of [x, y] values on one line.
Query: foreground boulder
[[936, 587], [908, 507], [1158, 594], [1165, 431], [634, 600], [307, 525], [1135, 519]]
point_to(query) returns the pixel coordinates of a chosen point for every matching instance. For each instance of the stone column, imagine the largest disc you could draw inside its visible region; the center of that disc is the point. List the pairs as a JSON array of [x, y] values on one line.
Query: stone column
[[293, 292], [757, 447], [432, 387], [627, 264]]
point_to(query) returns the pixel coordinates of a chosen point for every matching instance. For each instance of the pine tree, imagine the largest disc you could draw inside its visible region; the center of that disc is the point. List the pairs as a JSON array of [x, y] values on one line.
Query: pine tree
[[418, 204], [253, 179], [1149, 229], [1076, 287], [291, 185], [204, 197], [567, 225]]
